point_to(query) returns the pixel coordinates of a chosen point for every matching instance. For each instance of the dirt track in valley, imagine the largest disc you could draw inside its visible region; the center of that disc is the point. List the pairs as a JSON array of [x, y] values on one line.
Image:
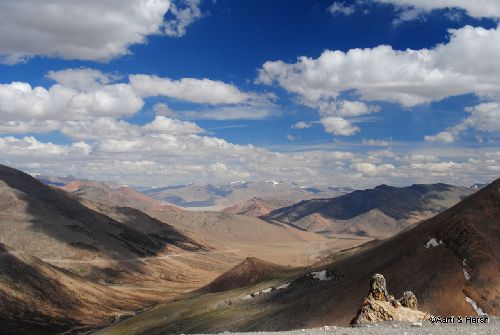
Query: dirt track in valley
[[131, 260]]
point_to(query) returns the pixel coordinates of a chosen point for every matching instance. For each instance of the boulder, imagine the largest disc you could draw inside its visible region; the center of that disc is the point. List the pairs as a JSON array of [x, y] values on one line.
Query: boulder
[[409, 300]]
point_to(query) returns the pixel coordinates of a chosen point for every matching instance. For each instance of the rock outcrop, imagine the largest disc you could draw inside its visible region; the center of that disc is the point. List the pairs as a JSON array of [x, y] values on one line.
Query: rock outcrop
[[380, 306]]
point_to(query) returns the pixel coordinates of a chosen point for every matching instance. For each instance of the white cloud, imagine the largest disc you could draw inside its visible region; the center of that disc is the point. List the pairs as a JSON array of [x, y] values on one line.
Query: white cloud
[[485, 117], [345, 108], [83, 79], [376, 143], [163, 109], [85, 94], [89, 30], [436, 167], [474, 8], [183, 17], [444, 136], [339, 7], [165, 125], [147, 158], [21, 102], [30, 146], [408, 77], [372, 169], [302, 125], [98, 128], [20, 127], [188, 89], [338, 126], [237, 112]]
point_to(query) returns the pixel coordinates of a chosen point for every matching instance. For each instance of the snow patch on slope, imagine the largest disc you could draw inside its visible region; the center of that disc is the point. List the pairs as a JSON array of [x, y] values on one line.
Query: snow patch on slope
[[321, 275], [433, 243], [474, 305], [466, 273]]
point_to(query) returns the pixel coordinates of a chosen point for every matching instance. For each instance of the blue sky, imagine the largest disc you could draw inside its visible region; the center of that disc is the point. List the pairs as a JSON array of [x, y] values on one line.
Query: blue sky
[[159, 92]]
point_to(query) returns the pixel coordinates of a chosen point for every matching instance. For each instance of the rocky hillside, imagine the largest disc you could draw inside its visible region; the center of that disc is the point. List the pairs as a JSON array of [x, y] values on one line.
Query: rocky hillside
[[379, 212]]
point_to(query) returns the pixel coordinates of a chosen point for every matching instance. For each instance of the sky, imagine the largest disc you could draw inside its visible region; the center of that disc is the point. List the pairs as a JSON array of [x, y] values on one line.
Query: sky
[[166, 92]]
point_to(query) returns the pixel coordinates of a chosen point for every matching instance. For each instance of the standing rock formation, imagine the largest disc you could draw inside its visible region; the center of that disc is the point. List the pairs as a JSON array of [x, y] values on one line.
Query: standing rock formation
[[380, 306], [378, 288]]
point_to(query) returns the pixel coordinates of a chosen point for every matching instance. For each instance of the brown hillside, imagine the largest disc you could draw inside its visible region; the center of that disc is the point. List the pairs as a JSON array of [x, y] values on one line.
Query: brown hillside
[[122, 197], [37, 298], [250, 271]]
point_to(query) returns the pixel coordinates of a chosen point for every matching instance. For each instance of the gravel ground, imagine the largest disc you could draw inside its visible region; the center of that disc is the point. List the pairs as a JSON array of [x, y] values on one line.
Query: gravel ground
[[397, 328]]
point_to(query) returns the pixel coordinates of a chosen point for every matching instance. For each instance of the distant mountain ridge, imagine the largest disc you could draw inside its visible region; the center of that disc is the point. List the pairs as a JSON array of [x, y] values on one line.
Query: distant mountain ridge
[[218, 197], [396, 207]]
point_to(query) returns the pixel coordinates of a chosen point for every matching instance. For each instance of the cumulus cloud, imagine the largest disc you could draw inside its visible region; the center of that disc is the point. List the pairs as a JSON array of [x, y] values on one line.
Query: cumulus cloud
[[409, 9], [83, 79], [165, 125], [339, 7], [163, 109], [302, 125], [444, 136], [90, 30], [483, 117], [34, 126], [30, 146], [372, 169], [148, 158], [408, 77], [188, 89], [338, 126], [98, 128], [184, 13], [342, 108], [86, 96]]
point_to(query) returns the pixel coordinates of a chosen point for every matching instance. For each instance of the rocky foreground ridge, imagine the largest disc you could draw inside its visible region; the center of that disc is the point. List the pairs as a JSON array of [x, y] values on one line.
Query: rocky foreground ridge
[[379, 306]]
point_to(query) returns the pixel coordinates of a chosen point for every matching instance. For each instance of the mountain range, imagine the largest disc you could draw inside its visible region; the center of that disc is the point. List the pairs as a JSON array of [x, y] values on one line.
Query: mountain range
[[75, 257], [217, 197], [450, 262]]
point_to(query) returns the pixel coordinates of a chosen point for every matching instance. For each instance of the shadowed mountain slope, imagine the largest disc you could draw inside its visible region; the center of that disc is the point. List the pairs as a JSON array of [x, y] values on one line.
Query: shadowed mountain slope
[[49, 223], [37, 298], [380, 212]]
